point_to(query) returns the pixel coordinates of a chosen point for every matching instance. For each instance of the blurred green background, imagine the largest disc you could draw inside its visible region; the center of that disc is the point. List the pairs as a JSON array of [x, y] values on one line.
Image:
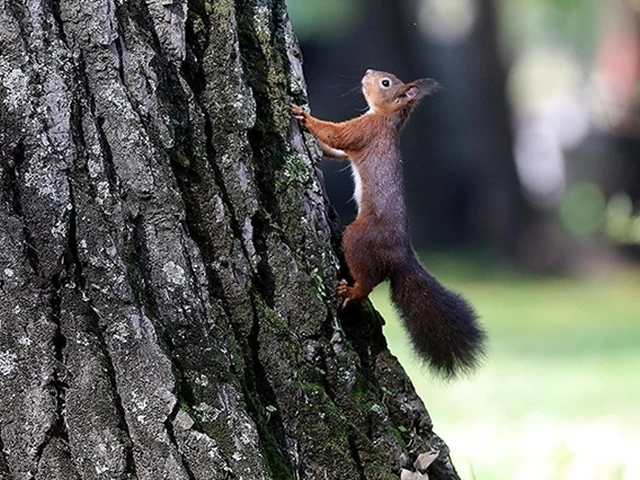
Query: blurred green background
[[523, 187], [559, 394]]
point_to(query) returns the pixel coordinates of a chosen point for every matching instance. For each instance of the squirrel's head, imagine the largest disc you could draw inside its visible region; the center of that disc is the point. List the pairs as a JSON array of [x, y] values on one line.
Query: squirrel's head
[[386, 92]]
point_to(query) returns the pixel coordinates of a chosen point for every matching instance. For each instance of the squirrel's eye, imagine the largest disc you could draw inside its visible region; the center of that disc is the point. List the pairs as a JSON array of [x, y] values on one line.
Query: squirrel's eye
[[386, 83]]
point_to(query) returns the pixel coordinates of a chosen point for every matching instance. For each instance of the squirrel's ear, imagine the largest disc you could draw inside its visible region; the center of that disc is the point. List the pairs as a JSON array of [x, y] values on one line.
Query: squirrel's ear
[[420, 88]]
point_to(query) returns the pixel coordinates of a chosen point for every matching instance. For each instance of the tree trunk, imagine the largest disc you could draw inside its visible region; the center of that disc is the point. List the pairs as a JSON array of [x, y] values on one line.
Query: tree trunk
[[167, 264]]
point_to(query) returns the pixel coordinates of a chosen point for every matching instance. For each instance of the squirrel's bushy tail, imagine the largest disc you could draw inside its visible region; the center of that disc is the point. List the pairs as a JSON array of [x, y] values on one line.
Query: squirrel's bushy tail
[[444, 328]]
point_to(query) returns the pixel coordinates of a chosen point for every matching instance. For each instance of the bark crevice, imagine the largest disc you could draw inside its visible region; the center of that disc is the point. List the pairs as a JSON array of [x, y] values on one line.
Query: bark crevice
[[266, 395], [5, 472], [57, 385], [72, 262], [54, 5], [219, 180], [168, 425], [106, 153], [139, 260], [264, 278], [355, 455], [122, 424], [197, 84], [13, 173], [188, 179]]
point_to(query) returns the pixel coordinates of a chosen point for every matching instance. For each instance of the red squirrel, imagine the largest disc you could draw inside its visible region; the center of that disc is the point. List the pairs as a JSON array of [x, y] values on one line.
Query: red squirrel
[[443, 327]]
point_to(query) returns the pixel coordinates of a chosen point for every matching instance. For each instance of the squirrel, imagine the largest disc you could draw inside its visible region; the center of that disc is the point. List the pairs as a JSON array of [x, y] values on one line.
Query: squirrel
[[443, 326]]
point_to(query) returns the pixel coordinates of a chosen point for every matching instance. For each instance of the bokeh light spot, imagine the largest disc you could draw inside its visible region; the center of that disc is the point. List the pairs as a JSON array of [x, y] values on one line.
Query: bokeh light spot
[[582, 208]]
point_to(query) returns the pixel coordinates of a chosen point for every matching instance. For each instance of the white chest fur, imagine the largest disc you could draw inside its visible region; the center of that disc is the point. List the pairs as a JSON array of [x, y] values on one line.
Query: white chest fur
[[357, 181]]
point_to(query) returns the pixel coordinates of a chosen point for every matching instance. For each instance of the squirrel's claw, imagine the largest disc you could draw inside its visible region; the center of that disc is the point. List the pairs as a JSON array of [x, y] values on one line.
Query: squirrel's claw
[[299, 114], [343, 290]]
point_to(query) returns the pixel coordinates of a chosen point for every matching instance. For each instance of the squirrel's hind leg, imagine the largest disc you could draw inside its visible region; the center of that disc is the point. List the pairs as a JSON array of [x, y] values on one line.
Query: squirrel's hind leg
[[364, 266]]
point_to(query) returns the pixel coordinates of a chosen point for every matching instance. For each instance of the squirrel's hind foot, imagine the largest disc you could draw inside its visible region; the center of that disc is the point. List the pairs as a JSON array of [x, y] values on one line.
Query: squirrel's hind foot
[[344, 290], [357, 292]]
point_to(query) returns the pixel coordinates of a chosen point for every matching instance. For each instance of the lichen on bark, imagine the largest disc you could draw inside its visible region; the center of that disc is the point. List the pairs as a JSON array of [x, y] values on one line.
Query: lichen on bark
[[168, 258]]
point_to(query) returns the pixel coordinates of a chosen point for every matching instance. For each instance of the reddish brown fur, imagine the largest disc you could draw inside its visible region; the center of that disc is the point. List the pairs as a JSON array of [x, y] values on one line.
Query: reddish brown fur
[[374, 134], [377, 244]]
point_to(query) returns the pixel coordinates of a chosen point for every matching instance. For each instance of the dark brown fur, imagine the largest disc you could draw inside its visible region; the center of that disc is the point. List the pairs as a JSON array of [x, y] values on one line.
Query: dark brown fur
[[442, 325]]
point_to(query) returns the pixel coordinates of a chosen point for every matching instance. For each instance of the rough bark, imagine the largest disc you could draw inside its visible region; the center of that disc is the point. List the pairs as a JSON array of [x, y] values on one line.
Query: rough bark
[[167, 263]]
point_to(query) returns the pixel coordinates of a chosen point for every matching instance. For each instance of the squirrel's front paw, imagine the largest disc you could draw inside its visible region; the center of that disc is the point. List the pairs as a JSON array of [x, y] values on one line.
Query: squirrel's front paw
[[299, 114]]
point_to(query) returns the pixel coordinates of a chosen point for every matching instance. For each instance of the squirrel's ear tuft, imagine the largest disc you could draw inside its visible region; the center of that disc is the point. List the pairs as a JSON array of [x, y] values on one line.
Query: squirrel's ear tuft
[[420, 88]]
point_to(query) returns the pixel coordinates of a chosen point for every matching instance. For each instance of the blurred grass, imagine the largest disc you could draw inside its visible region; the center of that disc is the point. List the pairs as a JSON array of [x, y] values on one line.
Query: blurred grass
[[562, 375]]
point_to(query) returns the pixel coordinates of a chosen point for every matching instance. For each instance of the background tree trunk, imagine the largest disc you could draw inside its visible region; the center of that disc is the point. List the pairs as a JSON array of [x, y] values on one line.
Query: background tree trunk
[[167, 265], [460, 175]]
